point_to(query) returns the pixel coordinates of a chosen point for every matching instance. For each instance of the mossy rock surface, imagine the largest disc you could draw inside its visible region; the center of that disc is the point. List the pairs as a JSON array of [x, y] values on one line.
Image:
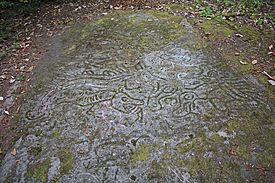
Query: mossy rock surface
[[142, 96], [39, 171]]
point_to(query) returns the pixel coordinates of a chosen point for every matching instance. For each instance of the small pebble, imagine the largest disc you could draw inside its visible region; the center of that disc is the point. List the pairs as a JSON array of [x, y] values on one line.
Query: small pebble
[[254, 62], [3, 77], [12, 81]]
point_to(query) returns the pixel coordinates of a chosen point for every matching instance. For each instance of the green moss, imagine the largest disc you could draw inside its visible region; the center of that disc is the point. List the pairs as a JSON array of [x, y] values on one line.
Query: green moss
[[232, 126], [56, 134], [206, 117], [270, 90], [180, 7], [166, 156], [16, 117], [171, 19], [150, 28], [66, 161], [244, 68], [250, 33], [207, 170], [216, 29], [39, 171], [215, 127], [268, 155], [184, 147], [198, 144], [216, 138], [70, 49], [142, 153], [133, 32], [202, 167], [38, 133], [157, 171], [36, 151], [195, 45], [242, 151], [252, 128], [55, 180]]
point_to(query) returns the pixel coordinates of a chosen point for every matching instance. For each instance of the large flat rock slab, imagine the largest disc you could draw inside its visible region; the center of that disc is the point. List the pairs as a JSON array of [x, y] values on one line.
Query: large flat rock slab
[[129, 98]]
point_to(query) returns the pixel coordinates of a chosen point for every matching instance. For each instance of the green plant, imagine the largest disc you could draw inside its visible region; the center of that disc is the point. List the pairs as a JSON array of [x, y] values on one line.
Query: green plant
[[226, 3], [251, 4], [207, 12], [5, 4]]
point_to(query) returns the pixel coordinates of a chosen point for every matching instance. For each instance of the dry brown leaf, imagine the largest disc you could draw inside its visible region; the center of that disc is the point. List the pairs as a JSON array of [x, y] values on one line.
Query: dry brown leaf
[[13, 152], [232, 152], [268, 75], [30, 69], [238, 35], [243, 62]]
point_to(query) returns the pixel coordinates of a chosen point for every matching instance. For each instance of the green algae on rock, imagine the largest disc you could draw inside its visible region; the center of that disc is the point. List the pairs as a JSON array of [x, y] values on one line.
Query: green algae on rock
[[39, 171], [36, 151], [66, 161], [142, 153]]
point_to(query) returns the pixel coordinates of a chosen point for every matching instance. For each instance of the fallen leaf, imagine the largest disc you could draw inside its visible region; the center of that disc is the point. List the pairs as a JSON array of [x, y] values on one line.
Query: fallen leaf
[[7, 112], [232, 151], [1, 98], [270, 47], [238, 35], [272, 82], [254, 62], [268, 75], [30, 69], [261, 169], [243, 62], [13, 152], [237, 54], [270, 53]]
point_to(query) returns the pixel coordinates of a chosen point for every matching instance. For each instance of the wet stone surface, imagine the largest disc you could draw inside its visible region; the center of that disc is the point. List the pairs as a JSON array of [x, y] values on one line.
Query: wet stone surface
[[123, 99]]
